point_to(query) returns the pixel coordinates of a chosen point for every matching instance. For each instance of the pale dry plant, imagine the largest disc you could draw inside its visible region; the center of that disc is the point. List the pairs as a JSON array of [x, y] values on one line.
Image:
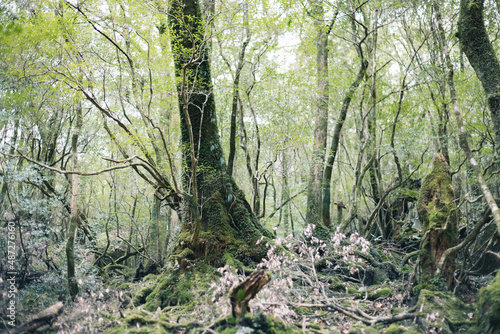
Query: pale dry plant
[[220, 289], [288, 267]]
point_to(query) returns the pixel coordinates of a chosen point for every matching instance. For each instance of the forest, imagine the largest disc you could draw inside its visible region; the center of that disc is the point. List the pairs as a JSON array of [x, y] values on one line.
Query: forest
[[246, 166]]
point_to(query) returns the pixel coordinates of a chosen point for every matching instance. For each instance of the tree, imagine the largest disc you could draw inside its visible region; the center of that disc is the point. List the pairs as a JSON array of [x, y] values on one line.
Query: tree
[[476, 45], [217, 218], [314, 191]]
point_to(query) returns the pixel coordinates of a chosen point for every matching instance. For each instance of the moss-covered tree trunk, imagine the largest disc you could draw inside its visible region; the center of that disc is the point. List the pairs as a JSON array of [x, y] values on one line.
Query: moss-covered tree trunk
[[437, 208], [217, 219], [478, 49]]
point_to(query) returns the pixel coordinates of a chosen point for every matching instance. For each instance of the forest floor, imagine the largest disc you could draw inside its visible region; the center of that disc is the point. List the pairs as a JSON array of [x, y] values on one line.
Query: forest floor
[[314, 289]]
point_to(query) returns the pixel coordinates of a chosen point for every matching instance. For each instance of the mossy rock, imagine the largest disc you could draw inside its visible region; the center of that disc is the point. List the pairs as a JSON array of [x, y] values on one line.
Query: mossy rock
[[351, 290], [256, 324], [171, 289], [379, 276], [380, 293], [396, 329], [177, 288], [139, 323], [363, 329], [488, 307], [434, 306]]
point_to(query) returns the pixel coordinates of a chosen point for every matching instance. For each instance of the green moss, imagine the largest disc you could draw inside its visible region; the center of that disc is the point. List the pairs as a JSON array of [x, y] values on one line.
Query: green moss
[[315, 326], [304, 310], [381, 293], [395, 329], [138, 319], [379, 276], [124, 286], [149, 277], [406, 269], [140, 296], [362, 329], [447, 306], [190, 308], [178, 288], [351, 290], [436, 205], [488, 306], [171, 289], [262, 324], [229, 260], [336, 284]]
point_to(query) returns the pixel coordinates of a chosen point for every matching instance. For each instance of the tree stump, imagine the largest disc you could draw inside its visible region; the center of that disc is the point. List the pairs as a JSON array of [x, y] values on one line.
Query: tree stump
[[241, 295], [436, 206]]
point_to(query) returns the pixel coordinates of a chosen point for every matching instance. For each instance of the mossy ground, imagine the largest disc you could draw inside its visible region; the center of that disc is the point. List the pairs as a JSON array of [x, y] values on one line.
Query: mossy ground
[[488, 307], [444, 312], [177, 287], [179, 300]]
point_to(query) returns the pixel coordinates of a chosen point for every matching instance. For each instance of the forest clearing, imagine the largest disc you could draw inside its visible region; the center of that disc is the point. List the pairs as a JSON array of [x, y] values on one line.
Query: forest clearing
[[245, 166]]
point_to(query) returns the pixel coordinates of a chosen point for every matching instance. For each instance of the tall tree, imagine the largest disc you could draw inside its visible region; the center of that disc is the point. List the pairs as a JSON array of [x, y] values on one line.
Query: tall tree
[[314, 191], [478, 49], [217, 217]]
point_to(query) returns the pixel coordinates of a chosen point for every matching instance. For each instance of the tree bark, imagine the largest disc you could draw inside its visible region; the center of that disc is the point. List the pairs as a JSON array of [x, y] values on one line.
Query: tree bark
[[244, 292], [314, 195], [478, 49], [236, 99], [327, 177], [74, 214], [216, 216]]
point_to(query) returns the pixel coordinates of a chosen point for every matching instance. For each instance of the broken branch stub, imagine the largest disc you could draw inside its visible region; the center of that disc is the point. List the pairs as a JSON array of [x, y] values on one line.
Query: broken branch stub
[[241, 295]]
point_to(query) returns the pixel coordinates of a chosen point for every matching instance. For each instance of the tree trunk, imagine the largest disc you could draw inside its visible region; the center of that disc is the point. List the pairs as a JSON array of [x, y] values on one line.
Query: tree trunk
[[327, 177], [478, 49], [74, 215], [236, 83], [314, 195], [216, 216], [437, 208]]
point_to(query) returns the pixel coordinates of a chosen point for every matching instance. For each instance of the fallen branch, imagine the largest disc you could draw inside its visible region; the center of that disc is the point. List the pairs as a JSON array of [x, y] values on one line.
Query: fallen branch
[[44, 318], [358, 314]]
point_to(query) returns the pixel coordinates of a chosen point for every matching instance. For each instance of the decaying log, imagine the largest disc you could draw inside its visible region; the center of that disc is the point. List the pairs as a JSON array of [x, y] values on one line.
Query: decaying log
[[241, 295], [45, 317]]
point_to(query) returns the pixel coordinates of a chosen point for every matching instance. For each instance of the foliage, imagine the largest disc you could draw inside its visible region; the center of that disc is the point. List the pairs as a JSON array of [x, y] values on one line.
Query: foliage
[[115, 59]]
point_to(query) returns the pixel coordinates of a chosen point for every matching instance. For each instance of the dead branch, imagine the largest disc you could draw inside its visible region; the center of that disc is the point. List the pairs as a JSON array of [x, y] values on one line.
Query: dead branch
[[241, 295], [363, 317], [44, 318]]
